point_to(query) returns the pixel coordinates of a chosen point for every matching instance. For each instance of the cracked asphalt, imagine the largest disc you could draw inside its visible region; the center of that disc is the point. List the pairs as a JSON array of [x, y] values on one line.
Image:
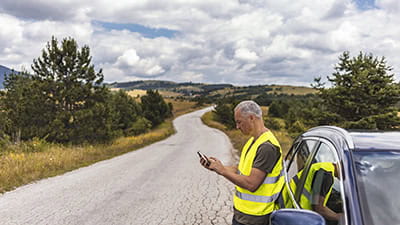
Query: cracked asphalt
[[160, 184]]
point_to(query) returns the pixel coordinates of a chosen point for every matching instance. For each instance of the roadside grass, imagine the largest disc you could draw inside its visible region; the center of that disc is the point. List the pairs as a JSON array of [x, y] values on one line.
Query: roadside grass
[[238, 139], [36, 159]]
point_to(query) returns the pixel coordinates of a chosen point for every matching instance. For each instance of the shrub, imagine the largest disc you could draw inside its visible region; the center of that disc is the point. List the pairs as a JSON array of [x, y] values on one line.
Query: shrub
[[141, 125], [274, 123]]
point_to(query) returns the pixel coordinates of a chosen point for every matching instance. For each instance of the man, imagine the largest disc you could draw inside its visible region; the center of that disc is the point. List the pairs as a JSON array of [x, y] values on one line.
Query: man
[[319, 184], [317, 189], [258, 177]]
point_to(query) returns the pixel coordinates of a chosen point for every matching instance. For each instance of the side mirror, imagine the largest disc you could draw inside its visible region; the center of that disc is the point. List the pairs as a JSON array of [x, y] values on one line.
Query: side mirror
[[296, 217]]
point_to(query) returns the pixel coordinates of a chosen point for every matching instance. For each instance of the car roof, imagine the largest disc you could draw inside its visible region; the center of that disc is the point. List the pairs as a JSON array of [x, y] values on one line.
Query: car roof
[[357, 140], [378, 140]]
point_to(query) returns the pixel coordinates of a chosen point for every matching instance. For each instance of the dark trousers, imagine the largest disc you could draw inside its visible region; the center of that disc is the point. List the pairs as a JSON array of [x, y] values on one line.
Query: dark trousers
[[234, 222]]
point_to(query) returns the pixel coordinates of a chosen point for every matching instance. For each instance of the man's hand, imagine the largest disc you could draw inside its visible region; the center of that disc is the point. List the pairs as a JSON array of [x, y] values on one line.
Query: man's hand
[[205, 164], [216, 165], [251, 182]]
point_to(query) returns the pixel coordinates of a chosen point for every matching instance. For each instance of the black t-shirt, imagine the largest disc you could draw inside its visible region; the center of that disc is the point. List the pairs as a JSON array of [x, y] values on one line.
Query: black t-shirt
[[266, 157], [321, 184]]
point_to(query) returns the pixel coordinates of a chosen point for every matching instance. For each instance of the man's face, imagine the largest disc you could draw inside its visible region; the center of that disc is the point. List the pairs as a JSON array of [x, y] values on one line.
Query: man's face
[[243, 122]]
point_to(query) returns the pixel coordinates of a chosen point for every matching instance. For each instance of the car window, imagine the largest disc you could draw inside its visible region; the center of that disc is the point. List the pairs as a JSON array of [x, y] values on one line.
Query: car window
[[321, 190], [297, 157], [378, 180], [294, 163]]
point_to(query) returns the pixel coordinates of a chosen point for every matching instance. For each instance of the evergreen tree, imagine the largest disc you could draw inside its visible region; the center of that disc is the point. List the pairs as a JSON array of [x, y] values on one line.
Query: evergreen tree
[[225, 115], [69, 83], [155, 109], [363, 92], [128, 116], [26, 109]]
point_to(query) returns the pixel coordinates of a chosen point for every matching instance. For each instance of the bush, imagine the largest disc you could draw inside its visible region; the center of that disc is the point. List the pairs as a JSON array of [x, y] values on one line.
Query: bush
[[279, 108], [4, 142], [35, 145], [274, 123], [155, 109], [224, 115], [296, 128], [141, 125], [381, 122]]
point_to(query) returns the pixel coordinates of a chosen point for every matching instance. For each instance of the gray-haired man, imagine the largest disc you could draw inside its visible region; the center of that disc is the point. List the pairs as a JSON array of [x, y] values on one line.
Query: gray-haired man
[[258, 177]]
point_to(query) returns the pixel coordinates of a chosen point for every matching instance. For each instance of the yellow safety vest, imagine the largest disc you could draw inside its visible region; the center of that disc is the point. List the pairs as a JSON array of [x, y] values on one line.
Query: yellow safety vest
[[287, 201], [306, 195], [262, 201]]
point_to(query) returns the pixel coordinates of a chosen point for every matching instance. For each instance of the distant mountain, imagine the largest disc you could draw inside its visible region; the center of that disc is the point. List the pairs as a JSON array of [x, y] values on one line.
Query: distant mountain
[[3, 70]]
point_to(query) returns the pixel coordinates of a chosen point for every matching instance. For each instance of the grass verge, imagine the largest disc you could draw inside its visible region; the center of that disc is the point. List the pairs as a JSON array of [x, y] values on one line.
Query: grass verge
[[37, 159]]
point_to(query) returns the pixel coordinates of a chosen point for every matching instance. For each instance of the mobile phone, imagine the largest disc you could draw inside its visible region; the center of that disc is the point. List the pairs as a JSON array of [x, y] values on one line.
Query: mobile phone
[[202, 156]]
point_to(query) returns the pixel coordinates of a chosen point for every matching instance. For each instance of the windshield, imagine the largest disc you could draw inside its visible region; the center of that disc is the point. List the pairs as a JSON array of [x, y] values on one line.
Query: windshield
[[378, 179]]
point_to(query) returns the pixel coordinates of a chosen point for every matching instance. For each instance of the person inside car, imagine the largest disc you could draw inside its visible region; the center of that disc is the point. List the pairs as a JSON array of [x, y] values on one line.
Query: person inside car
[[317, 190]]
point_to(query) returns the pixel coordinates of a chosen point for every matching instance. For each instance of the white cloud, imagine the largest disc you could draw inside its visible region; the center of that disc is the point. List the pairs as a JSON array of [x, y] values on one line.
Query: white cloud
[[240, 42], [245, 54], [130, 62]]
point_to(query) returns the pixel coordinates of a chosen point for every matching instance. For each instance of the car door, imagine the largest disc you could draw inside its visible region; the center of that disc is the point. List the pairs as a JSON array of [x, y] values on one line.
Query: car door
[[320, 187], [295, 162]]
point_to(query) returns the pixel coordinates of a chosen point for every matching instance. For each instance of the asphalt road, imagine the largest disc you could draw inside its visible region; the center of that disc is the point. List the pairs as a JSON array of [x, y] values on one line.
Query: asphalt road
[[160, 184]]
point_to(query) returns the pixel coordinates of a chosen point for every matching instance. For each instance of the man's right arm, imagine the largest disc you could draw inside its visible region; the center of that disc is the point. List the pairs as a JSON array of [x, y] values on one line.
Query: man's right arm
[[251, 182], [233, 169], [321, 185]]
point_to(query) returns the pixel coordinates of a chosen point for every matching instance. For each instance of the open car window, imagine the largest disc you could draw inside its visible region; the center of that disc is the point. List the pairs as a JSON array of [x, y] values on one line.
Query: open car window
[[297, 158], [295, 162], [321, 185]]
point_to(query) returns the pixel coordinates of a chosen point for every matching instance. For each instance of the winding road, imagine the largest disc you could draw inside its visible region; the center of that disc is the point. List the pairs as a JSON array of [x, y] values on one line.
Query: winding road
[[162, 183]]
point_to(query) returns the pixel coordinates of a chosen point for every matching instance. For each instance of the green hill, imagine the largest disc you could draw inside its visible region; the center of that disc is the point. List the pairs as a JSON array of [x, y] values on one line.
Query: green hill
[[262, 93]]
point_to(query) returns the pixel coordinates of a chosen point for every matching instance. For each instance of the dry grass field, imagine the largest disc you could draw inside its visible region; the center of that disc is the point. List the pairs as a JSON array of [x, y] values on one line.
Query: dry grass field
[[138, 93], [278, 89], [293, 90]]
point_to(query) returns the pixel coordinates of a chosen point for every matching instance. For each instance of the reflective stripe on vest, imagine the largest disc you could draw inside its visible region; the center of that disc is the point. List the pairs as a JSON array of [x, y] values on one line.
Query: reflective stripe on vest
[[271, 180], [257, 198], [306, 194], [261, 201]]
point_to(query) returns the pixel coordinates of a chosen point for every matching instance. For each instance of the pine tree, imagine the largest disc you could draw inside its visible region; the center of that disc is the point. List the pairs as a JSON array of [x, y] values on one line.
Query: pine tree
[[26, 109], [70, 84], [155, 109], [363, 92]]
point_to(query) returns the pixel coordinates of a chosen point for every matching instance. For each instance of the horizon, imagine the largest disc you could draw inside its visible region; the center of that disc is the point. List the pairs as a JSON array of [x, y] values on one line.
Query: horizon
[[235, 85]]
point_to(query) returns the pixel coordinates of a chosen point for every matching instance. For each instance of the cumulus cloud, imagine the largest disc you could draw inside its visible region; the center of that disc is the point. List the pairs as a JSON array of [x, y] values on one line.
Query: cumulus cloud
[[240, 42], [132, 63]]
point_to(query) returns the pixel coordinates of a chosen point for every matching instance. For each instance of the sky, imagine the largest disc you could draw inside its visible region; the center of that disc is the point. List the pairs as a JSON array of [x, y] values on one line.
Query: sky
[[242, 42]]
